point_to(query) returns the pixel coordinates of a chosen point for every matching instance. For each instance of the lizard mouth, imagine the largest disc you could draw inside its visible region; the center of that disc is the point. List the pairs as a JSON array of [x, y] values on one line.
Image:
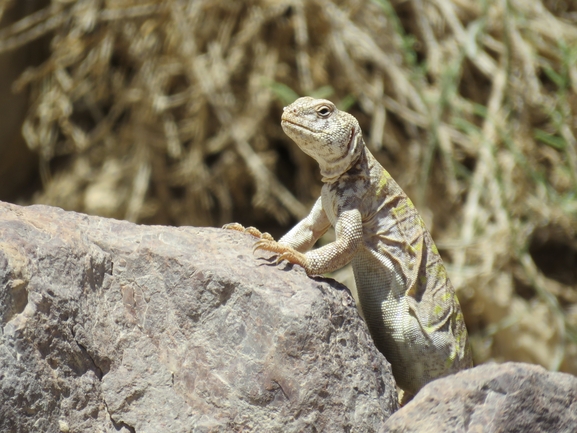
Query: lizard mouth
[[294, 125]]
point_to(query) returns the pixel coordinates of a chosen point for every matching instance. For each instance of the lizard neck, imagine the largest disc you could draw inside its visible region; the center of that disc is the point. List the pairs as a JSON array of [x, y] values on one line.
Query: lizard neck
[[333, 169], [355, 182]]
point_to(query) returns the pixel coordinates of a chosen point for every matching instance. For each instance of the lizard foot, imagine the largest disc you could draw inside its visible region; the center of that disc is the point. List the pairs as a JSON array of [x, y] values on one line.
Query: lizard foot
[[250, 230], [285, 253]]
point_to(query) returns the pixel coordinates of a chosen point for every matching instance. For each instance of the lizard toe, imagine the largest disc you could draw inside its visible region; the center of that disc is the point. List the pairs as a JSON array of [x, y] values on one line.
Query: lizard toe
[[250, 230], [254, 231], [265, 244], [267, 236], [293, 257], [234, 226]]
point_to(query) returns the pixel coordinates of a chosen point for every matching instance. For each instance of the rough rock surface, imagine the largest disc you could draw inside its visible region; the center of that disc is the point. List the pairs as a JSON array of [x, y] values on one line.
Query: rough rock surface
[[111, 326], [492, 398]]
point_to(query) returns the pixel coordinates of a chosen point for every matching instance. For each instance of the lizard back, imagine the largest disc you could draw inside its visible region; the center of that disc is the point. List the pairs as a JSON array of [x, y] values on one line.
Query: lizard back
[[406, 296]]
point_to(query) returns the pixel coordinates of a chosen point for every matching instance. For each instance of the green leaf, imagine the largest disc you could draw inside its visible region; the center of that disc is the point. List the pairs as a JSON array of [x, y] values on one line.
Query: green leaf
[[558, 79], [346, 103], [465, 126], [283, 92], [479, 110], [322, 92], [550, 139]]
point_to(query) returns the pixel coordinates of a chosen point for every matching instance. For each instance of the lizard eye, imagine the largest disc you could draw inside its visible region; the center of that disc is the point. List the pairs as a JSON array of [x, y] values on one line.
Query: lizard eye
[[324, 111]]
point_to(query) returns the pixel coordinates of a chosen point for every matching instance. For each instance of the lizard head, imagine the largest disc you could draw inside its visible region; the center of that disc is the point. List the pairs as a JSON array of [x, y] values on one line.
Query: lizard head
[[330, 136]]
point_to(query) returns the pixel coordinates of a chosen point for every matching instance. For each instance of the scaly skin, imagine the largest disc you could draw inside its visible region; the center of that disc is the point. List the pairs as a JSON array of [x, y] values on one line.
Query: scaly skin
[[407, 299]]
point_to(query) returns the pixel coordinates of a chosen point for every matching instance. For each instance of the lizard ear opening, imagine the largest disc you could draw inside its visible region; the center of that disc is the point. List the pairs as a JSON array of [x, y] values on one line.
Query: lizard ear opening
[[351, 145]]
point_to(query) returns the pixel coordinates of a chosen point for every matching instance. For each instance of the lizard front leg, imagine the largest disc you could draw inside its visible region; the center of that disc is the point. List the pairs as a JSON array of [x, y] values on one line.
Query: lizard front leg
[[329, 258], [300, 238]]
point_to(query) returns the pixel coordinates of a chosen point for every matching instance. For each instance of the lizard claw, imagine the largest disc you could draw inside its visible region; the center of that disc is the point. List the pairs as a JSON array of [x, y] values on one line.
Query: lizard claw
[[284, 252]]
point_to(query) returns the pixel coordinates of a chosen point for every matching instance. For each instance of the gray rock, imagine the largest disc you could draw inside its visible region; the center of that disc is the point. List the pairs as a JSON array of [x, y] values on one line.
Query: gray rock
[[111, 326], [492, 398]]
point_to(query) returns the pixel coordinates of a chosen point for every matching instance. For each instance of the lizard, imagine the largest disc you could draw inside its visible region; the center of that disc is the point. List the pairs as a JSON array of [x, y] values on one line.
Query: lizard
[[405, 294]]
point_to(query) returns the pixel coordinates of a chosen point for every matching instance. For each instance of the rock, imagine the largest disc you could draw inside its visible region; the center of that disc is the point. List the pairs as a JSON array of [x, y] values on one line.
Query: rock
[[510, 397], [111, 326]]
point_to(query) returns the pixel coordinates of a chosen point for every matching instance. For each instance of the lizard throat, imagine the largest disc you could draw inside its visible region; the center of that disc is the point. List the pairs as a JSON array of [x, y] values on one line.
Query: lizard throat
[[332, 170]]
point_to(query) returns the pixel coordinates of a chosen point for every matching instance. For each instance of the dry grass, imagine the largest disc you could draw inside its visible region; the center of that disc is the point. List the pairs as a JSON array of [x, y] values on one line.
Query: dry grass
[[168, 112]]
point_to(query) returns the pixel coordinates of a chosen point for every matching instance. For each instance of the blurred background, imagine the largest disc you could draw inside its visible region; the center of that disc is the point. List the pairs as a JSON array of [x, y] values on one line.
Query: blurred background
[[168, 112]]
